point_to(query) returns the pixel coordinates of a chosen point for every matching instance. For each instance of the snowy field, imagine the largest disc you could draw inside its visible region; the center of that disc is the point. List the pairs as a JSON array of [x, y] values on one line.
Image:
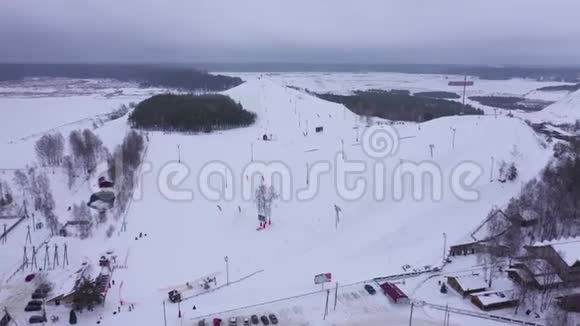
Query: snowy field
[[188, 234], [345, 83]]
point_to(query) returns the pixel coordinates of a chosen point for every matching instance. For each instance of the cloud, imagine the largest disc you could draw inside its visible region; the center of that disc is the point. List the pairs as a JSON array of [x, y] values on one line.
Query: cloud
[[422, 31]]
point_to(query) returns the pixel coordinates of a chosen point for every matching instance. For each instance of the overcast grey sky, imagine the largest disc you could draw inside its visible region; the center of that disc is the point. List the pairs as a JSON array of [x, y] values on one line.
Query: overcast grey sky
[[334, 31]]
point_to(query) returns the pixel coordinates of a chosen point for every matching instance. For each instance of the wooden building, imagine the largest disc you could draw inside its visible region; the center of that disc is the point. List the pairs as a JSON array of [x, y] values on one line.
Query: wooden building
[[466, 285], [570, 303], [494, 300], [563, 255]]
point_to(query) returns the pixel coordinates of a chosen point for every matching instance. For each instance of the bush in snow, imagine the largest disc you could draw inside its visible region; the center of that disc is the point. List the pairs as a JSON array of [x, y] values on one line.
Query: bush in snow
[[507, 171], [512, 172]]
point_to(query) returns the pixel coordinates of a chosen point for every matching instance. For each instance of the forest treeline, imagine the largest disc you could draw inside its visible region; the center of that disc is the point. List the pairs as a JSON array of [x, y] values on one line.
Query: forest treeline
[[556, 88], [190, 113], [399, 105], [145, 75], [511, 102]]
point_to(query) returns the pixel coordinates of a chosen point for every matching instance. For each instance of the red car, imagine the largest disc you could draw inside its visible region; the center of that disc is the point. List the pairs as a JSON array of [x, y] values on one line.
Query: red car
[[217, 322]]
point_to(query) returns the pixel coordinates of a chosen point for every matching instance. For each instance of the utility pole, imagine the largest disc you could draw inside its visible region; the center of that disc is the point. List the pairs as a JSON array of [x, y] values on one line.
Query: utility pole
[[252, 152], [326, 306], [491, 170], [65, 256], [46, 258], [335, 295], [25, 260], [226, 176], [33, 263], [431, 146], [226, 259], [411, 314], [164, 314], [337, 220], [453, 139], [464, 90], [444, 246], [307, 173], [28, 236], [178, 154], [342, 147], [5, 235]]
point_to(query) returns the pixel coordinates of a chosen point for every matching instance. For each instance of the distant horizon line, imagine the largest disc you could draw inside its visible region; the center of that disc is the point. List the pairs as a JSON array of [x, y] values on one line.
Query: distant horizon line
[[278, 63]]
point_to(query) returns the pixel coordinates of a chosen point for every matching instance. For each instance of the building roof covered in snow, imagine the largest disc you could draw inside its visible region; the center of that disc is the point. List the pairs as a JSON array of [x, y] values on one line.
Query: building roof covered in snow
[[468, 283], [69, 284], [482, 233], [492, 300], [567, 248], [494, 296], [548, 279]]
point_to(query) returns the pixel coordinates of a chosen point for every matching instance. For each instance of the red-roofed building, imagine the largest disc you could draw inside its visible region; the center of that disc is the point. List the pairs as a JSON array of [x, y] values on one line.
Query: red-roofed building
[[393, 291]]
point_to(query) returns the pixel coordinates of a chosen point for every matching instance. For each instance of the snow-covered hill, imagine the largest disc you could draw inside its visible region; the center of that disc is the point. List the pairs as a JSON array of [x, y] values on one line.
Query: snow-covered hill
[[188, 234], [189, 238], [565, 111]]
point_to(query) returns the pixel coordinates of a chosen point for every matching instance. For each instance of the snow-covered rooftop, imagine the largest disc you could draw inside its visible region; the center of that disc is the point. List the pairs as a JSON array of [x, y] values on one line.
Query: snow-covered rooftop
[[494, 297], [471, 282], [568, 248]]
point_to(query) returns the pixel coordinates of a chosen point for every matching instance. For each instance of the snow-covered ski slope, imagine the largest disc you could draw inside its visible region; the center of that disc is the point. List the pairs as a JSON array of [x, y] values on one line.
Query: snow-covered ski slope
[[565, 111], [187, 239]]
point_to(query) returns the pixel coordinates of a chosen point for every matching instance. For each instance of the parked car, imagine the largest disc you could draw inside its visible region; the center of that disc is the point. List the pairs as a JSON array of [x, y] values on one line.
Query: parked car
[[246, 321], [265, 320], [32, 308], [273, 319], [201, 322], [217, 322], [37, 319], [233, 321], [370, 289], [35, 303], [255, 319], [41, 292]]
